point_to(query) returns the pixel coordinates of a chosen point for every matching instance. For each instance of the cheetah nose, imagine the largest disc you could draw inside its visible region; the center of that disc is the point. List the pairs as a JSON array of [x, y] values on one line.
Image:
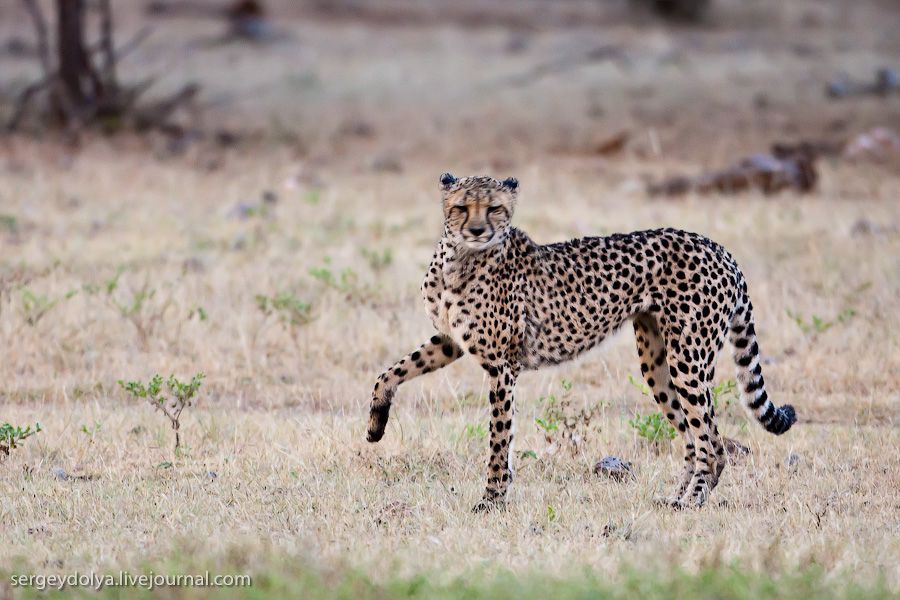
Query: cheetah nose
[[476, 230]]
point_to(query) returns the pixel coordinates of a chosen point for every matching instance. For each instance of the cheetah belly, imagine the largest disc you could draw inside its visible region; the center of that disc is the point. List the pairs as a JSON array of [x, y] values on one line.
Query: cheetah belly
[[550, 340]]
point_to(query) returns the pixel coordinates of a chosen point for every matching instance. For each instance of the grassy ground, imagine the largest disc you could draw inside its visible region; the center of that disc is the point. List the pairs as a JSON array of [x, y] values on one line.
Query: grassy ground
[[297, 579], [123, 258]]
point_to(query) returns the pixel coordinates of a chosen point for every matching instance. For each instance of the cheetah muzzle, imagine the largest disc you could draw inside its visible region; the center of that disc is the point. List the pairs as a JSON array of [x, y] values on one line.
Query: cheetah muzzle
[[515, 305]]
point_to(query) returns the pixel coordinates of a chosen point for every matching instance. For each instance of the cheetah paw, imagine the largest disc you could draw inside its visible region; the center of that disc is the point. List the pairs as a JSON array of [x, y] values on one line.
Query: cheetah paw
[[489, 505], [670, 502]]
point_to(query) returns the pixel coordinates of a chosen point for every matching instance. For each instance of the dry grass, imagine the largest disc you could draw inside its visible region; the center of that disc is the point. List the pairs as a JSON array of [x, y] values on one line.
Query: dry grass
[[277, 461]]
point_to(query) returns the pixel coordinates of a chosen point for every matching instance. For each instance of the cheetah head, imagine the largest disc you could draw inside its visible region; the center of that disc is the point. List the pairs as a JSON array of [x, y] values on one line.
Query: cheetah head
[[477, 210]]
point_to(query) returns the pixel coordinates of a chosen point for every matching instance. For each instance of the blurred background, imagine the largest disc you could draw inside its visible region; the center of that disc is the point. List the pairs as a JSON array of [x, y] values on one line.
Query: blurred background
[[385, 85]]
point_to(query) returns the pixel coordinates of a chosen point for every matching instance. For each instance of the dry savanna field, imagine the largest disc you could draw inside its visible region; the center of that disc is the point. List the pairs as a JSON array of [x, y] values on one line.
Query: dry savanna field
[[285, 266]]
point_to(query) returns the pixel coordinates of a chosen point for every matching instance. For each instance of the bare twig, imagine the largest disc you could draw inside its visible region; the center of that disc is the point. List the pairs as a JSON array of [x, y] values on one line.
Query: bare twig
[[40, 27], [155, 116], [567, 63], [129, 46], [107, 46], [24, 100]]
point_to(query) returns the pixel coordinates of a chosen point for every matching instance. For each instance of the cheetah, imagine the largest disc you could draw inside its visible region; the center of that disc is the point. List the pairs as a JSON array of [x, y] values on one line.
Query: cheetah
[[515, 305]]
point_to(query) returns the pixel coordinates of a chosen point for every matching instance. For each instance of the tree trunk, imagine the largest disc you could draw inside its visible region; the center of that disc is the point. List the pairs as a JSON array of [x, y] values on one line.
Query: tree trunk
[[79, 81]]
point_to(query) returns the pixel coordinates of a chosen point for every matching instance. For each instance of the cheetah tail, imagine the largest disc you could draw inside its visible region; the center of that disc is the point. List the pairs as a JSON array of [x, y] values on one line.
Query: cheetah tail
[[742, 336]]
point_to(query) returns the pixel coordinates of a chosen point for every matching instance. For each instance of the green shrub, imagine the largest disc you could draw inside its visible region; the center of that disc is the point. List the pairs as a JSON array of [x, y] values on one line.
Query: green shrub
[[180, 396], [13, 435], [655, 427]]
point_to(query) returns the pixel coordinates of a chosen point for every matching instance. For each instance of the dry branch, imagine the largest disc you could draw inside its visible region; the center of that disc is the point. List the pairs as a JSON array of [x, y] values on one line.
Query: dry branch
[[567, 63], [80, 94], [40, 27]]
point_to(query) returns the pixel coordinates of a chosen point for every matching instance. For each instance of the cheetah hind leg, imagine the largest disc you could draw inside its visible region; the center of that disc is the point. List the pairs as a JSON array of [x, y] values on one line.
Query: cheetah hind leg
[[710, 451], [687, 475], [652, 353]]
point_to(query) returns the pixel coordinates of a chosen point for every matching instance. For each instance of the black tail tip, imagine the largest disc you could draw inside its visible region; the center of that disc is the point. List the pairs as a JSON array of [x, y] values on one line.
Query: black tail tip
[[785, 416]]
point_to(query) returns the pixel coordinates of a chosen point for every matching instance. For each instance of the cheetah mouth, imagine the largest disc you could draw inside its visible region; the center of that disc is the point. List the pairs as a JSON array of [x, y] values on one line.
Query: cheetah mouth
[[479, 242]]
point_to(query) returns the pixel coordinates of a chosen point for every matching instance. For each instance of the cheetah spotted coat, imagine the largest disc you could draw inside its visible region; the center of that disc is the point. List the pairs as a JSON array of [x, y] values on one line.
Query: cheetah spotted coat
[[515, 305]]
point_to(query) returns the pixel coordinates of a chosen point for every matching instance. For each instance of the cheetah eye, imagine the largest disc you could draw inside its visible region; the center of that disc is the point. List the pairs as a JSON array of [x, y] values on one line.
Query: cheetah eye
[[493, 209], [458, 209]]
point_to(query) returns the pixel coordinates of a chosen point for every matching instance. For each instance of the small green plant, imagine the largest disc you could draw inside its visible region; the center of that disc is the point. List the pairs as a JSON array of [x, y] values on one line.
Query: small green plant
[[9, 223], [135, 304], [471, 433], [562, 422], [287, 306], [724, 394], [346, 281], [180, 396], [36, 306], [137, 307], [655, 428], [475, 431], [552, 513], [548, 424], [640, 386], [523, 454], [818, 324], [200, 312], [13, 435], [91, 430], [378, 261]]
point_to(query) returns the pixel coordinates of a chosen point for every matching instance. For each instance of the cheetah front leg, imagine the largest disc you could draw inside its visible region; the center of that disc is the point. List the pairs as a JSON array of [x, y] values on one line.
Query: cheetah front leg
[[500, 469], [437, 352]]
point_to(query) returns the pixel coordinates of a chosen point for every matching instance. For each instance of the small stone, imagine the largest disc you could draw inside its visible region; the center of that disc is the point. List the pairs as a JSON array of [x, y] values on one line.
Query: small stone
[[792, 460], [614, 468], [59, 473], [212, 474]]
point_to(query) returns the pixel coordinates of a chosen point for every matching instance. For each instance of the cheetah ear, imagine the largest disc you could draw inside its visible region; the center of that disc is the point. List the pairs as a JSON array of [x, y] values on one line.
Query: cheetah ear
[[510, 183], [447, 179]]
